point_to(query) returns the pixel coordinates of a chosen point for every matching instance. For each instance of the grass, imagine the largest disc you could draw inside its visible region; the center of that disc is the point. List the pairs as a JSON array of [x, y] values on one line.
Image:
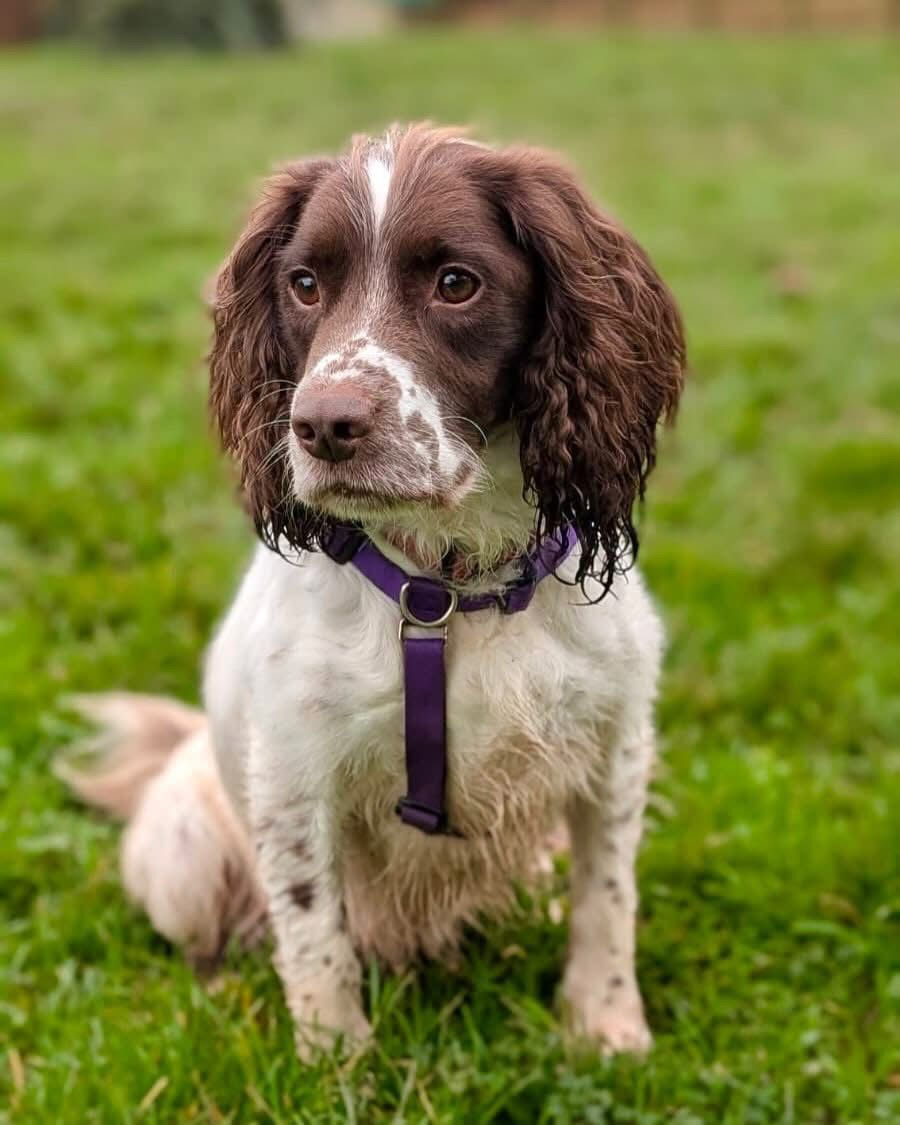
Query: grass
[[765, 179]]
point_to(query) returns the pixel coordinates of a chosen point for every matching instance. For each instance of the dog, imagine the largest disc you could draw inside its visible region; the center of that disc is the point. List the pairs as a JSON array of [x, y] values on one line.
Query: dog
[[440, 369]]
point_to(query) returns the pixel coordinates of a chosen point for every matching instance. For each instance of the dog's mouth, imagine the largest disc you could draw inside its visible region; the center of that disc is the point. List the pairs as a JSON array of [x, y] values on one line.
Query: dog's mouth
[[339, 499], [354, 493], [364, 501]]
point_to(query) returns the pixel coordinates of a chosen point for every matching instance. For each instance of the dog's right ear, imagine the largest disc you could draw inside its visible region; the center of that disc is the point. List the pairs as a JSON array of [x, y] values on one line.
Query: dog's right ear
[[251, 376], [606, 363]]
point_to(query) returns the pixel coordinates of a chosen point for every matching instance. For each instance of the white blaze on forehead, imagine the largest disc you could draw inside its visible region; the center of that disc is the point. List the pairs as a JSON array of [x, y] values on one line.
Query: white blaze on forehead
[[379, 167], [363, 354]]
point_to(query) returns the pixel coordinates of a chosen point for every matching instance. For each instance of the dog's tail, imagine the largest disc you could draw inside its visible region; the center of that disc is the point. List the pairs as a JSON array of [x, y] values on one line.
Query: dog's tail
[[136, 737], [185, 855]]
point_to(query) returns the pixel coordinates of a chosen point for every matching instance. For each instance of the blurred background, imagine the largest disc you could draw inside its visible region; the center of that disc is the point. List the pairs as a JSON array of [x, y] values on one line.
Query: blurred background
[[754, 148], [247, 23]]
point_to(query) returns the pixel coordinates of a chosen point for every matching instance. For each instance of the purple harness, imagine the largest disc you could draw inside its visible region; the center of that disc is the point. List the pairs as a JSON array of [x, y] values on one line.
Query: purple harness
[[427, 603]]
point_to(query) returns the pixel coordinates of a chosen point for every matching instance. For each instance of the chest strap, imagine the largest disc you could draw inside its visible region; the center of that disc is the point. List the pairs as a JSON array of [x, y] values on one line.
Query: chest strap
[[426, 606]]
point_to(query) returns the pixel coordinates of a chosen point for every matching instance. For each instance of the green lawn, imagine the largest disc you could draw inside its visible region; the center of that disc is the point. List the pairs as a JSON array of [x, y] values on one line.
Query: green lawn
[[765, 179]]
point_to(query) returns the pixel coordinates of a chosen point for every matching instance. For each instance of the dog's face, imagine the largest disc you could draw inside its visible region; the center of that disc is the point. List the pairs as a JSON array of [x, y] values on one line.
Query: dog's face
[[385, 312], [404, 306]]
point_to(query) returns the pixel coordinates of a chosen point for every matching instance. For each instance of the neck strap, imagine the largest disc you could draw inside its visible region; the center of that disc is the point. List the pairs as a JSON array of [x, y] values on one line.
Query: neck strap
[[426, 606]]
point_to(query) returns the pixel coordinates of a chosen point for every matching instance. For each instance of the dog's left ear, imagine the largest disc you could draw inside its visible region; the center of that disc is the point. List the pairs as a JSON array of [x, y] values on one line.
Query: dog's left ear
[[605, 365], [251, 376]]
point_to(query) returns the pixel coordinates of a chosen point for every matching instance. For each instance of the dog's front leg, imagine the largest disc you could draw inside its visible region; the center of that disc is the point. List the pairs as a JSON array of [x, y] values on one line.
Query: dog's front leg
[[600, 987], [297, 844]]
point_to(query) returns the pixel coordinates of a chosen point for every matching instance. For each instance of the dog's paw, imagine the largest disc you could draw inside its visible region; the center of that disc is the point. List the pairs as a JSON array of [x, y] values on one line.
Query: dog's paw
[[324, 1021], [312, 1038], [611, 1022], [617, 1033]]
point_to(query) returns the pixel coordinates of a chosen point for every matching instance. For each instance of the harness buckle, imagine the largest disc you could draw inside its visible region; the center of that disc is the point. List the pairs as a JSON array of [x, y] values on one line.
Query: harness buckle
[[409, 618], [433, 822], [401, 632]]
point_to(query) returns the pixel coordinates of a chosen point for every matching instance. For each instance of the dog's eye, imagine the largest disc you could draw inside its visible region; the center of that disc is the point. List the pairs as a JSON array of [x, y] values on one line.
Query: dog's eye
[[305, 287], [456, 286]]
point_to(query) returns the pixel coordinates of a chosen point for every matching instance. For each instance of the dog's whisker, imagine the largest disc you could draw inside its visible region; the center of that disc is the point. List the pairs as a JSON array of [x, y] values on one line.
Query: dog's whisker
[[472, 423], [283, 421], [277, 391], [278, 450]]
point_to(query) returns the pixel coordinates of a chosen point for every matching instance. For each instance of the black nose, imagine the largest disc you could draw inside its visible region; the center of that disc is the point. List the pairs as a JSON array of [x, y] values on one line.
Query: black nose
[[330, 422]]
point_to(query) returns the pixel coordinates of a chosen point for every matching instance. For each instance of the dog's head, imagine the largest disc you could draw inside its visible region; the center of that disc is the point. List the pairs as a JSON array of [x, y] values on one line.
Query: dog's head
[[384, 314]]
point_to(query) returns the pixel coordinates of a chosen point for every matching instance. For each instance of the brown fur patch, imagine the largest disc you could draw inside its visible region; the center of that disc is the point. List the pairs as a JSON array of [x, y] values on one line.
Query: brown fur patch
[[303, 895]]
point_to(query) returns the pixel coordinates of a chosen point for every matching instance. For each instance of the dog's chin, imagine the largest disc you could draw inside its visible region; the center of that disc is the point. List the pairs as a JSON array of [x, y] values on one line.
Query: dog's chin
[[364, 506], [371, 505]]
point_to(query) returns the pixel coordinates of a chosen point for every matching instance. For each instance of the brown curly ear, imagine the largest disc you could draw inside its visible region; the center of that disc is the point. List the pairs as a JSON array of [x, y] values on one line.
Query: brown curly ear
[[607, 362], [251, 375]]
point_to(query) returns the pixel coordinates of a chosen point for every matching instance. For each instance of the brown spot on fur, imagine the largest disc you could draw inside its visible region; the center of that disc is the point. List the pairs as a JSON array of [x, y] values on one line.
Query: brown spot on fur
[[461, 475], [302, 895], [231, 877], [425, 435]]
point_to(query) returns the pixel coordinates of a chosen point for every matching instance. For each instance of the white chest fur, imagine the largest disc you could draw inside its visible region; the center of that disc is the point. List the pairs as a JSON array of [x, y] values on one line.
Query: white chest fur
[[308, 663]]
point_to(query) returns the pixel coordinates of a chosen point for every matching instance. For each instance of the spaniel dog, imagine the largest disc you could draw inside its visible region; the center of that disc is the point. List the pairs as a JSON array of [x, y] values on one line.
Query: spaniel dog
[[439, 369]]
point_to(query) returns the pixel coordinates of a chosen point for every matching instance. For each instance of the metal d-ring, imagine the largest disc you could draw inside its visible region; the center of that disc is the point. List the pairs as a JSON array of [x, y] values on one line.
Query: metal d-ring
[[439, 622]]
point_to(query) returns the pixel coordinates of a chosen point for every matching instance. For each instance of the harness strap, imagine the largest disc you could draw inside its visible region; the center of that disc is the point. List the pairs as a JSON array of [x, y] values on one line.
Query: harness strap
[[425, 714], [426, 606]]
